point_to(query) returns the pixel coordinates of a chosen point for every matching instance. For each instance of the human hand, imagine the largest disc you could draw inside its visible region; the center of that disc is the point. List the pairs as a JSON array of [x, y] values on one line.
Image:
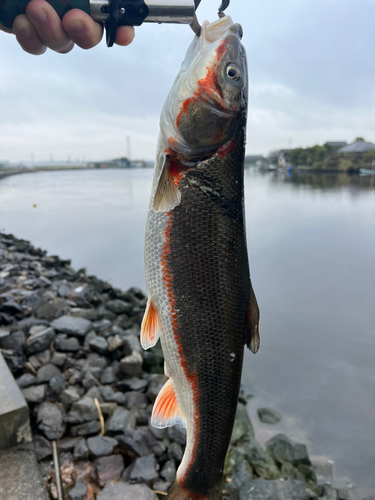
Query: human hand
[[41, 28]]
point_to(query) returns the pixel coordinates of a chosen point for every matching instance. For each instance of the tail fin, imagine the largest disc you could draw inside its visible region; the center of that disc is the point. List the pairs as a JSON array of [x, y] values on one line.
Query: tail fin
[[178, 492]]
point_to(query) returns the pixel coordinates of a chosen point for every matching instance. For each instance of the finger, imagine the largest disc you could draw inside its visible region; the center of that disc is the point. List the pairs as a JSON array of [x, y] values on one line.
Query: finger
[[47, 24], [124, 35], [27, 37], [82, 29]]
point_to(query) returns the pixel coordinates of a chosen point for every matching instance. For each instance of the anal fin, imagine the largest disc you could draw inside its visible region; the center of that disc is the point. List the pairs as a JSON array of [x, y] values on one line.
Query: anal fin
[[167, 195], [251, 334], [166, 411], [150, 330]]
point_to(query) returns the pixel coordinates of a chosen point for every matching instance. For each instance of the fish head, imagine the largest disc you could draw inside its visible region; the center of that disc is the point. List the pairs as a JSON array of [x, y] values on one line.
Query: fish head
[[208, 100]]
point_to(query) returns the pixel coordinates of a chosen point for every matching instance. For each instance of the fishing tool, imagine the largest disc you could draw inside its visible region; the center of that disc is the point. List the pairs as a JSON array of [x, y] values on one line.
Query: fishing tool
[[116, 13]]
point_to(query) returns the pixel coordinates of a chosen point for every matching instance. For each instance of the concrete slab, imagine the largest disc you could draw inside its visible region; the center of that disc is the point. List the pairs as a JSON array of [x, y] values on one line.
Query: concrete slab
[[14, 412], [20, 478]]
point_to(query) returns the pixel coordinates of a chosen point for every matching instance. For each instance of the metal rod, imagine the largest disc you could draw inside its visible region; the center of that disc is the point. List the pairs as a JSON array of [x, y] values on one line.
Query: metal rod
[[56, 464]]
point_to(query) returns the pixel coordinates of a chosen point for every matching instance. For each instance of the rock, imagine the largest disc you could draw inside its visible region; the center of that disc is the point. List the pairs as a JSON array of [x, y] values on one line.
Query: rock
[[242, 429], [85, 471], [329, 492], [110, 395], [26, 380], [99, 344], [57, 384], [273, 490], [65, 344], [69, 396], [134, 441], [323, 468], [121, 420], [35, 394], [89, 381], [44, 356], [79, 492], [83, 410], [344, 494], [143, 470], [68, 443], [101, 446], [241, 478], [268, 415], [132, 384], [178, 434], [90, 336], [50, 421], [94, 393], [175, 452], [42, 447], [284, 449], [109, 469], [87, 429], [136, 400], [168, 471], [260, 460], [41, 340], [46, 372], [81, 450], [123, 491], [34, 362], [107, 376], [131, 365], [115, 343], [90, 314], [59, 359], [108, 408], [155, 384], [289, 472], [52, 310], [63, 289], [307, 473], [162, 486], [102, 326], [78, 327], [119, 306], [15, 341]]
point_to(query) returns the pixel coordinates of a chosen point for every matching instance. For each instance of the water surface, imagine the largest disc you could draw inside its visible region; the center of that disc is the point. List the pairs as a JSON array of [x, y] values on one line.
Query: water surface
[[312, 257]]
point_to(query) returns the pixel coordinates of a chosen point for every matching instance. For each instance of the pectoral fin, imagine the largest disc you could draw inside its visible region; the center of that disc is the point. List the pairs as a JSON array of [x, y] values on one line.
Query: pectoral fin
[[167, 194], [150, 329], [167, 411], [251, 335]]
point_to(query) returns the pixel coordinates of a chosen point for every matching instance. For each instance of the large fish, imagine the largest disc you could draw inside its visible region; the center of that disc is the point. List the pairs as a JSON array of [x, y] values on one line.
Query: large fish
[[200, 298]]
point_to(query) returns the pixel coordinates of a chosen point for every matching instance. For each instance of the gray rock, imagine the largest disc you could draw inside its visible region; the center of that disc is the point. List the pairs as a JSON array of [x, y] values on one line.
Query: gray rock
[[108, 409], [89, 337], [329, 492], [89, 381], [79, 492], [69, 396], [132, 384], [87, 429], [50, 420], [44, 356], [284, 449], [65, 344], [178, 434], [131, 365], [83, 410], [109, 469], [134, 441], [57, 384], [35, 394], [136, 400], [155, 384], [121, 420], [42, 447], [101, 446], [59, 359], [68, 443], [46, 372], [52, 310], [168, 471], [123, 491], [107, 376], [242, 477], [344, 494], [81, 450], [99, 344], [268, 415], [115, 343], [110, 395], [15, 341], [143, 470], [63, 290], [119, 306], [90, 314], [26, 380], [175, 452], [273, 490], [242, 429], [41, 340], [94, 393], [260, 460], [102, 326], [77, 327]]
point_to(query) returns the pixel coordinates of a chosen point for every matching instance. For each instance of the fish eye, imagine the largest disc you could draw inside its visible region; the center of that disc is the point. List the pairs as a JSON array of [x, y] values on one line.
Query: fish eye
[[233, 72]]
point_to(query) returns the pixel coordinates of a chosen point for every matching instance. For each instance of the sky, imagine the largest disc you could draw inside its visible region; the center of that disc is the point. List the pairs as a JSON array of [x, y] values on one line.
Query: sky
[[311, 72]]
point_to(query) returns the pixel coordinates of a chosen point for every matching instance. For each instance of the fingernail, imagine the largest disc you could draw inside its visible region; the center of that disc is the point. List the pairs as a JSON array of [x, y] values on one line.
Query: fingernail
[[76, 28], [39, 16]]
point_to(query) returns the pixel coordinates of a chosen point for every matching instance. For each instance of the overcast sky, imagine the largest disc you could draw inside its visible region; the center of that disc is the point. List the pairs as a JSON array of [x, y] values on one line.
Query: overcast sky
[[312, 79]]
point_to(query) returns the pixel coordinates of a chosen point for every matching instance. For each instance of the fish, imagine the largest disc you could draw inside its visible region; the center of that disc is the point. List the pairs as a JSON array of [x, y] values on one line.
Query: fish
[[201, 304]]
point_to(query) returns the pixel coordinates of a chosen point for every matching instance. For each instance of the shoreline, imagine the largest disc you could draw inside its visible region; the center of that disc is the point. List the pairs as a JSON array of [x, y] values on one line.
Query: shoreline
[[70, 339]]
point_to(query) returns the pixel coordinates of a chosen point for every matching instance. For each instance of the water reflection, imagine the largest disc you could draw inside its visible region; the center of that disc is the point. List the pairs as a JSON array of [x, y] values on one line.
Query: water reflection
[[326, 181]]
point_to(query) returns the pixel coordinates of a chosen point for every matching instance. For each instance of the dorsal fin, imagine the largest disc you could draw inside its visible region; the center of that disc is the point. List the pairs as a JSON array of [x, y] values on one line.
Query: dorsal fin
[[150, 330], [166, 411], [167, 195], [251, 334]]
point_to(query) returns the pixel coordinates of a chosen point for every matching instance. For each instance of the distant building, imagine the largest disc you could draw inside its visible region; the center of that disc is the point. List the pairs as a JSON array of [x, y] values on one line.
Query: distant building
[[256, 161], [334, 146], [283, 159], [358, 147]]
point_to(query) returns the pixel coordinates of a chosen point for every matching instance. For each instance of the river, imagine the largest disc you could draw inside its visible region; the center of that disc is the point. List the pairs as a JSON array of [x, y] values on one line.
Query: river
[[311, 242]]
